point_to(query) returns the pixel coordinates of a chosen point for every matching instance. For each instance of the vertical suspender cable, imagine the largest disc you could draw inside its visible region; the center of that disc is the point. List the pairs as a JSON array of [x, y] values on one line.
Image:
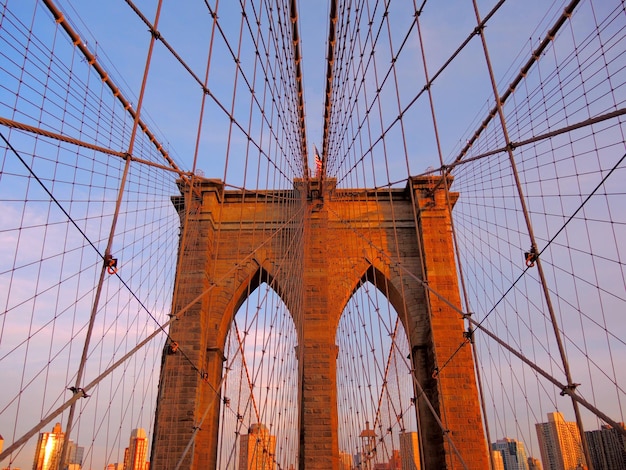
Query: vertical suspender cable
[[107, 253], [522, 200], [453, 229]]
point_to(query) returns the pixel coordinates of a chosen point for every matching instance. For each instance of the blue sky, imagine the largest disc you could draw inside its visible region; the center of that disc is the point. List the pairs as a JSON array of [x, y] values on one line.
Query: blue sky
[[488, 220]]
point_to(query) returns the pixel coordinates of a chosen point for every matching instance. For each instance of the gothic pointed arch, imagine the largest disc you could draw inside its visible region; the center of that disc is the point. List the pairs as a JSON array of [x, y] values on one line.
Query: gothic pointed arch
[[404, 292], [249, 277]]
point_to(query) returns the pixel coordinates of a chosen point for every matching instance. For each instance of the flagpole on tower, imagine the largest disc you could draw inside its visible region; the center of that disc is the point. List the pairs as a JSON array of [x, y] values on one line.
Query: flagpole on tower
[[318, 163]]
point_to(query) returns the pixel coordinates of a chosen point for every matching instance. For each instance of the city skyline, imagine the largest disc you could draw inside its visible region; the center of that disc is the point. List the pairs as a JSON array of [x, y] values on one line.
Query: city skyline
[[49, 450], [136, 454], [257, 450], [560, 443], [513, 453]]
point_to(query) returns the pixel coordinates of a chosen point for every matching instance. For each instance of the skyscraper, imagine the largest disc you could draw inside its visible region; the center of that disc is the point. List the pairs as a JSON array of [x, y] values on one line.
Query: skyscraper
[[137, 451], [409, 451], [49, 448], [513, 453], [607, 447], [560, 445], [345, 461], [498, 461], [534, 464], [257, 449], [74, 460]]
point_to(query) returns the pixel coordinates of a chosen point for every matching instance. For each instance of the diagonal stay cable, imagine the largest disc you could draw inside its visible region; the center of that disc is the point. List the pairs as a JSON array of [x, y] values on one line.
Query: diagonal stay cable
[[419, 94], [92, 61], [161, 328], [565, 390], [558, 232], [479, 324], [82, 393], [208, 91], [531, 140], [73, 222], [88, 145]]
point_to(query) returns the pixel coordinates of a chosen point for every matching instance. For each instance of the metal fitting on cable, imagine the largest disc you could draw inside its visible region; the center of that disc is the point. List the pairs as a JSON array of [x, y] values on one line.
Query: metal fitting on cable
[[110, 263], [569, 390], [76, 390], [469, 335], [531, 256]]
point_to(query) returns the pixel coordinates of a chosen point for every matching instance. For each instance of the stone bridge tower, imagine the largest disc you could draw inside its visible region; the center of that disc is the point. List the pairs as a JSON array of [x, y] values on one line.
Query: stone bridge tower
[[389, 235]]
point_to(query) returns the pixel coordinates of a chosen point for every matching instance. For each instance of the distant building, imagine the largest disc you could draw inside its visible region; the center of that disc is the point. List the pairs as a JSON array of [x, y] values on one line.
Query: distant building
[[115, 466], [356, 458], [49, 448], [135, 455], [257, 449], [560, 444], [607, 447], [394, 463], [513, 453], [409, 451], [534, 464], [75, 455], [345, 461], [498, 461], [368, 446]]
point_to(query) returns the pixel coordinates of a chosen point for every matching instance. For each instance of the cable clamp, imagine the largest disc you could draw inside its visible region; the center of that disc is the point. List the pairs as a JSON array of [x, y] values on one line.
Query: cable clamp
[[110, 263], [569, 390], [76, 390], [469, 335], [531, 256], [173, 347], [435, 373]]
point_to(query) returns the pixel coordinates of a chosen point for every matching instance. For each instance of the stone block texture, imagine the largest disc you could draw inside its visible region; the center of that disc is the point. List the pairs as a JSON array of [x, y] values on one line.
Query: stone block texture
[[316, 251]]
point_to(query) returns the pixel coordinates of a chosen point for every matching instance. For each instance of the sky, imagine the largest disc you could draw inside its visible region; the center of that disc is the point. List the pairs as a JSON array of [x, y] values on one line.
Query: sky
[[462, 97]]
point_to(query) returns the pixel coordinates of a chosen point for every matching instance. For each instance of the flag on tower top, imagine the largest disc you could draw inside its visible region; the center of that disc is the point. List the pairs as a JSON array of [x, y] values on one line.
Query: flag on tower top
[[318, 162]]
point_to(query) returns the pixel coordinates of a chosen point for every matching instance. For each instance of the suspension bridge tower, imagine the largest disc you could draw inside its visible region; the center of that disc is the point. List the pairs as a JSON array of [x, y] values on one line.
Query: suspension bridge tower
[[399, 237]]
